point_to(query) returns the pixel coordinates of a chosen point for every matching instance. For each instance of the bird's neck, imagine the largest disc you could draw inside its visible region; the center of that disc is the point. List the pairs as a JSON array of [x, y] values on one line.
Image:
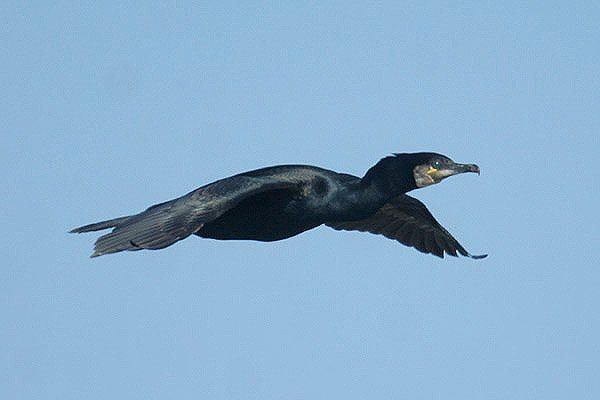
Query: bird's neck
[[389, 177]]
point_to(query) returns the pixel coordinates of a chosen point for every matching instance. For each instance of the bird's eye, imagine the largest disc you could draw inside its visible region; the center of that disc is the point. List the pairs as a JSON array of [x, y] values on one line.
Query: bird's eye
[[436, 165]]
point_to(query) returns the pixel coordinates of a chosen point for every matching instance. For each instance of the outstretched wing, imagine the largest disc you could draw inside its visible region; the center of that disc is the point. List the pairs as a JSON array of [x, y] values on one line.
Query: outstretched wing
[[166, 223], [408, 221]]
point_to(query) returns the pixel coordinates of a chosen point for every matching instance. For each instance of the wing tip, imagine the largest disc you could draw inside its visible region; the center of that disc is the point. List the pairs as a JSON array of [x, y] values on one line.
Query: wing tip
[[477, 256]]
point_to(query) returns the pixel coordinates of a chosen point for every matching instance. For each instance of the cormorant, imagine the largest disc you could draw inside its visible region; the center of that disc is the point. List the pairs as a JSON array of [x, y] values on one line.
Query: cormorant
[[279, 202]]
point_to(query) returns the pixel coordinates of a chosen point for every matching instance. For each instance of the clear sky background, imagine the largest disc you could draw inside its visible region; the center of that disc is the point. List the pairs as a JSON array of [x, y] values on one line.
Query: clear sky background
[[111, 107]]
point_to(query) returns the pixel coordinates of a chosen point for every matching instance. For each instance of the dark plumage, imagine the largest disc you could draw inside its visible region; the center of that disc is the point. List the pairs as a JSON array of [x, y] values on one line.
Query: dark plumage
[[278, 202]]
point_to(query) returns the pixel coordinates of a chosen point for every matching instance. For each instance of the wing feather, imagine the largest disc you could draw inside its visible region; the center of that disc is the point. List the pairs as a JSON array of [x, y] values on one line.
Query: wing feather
[[163, 224], [408, 221]]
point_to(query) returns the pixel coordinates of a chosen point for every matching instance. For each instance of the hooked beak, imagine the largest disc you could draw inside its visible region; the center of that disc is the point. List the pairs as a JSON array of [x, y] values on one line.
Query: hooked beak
[[461, 168], [438, 174]]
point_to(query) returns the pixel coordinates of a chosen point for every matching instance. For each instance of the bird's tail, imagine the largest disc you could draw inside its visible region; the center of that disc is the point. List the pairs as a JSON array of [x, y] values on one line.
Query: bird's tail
[[98, 226], [155, 228]]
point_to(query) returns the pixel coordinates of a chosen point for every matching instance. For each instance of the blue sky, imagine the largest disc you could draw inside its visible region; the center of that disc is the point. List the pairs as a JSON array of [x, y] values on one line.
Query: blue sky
[[109, 108]]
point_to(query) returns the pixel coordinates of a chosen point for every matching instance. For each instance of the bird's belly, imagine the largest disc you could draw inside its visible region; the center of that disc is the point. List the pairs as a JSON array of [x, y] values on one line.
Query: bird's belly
[[265, 218], [256, 227]]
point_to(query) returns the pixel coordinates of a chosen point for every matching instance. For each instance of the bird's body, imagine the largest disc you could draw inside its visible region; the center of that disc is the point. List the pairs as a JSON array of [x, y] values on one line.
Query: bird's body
[[304, 198], [279, 202]]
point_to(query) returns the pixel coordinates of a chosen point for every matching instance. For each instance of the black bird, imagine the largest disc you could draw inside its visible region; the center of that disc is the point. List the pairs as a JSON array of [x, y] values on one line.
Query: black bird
[[279, 202]]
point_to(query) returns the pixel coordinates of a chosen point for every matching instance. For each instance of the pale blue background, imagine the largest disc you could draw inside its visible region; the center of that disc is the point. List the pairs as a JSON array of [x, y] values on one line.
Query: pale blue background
[[109, 108]]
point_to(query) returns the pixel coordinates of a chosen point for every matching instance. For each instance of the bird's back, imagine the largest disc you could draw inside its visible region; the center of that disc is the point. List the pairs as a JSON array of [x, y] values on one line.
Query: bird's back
[[298, 204]]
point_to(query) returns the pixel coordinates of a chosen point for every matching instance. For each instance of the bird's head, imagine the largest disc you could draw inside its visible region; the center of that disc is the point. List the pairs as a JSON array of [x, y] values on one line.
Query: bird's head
[[404, 172], [431, 168]]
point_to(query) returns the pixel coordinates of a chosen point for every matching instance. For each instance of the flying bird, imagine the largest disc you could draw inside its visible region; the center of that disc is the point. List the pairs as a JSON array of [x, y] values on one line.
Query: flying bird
[[279, 202]]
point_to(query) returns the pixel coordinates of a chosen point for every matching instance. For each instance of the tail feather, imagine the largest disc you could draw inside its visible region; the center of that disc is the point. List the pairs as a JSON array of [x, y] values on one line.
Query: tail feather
[[98, 226], [156, 228]]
